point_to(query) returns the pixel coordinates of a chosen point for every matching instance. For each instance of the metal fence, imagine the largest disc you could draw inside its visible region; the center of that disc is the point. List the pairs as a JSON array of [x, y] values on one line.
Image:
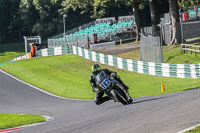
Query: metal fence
[[84, 43], [192, 49], [190, 28], [106, 20], [71, 31], [126, 18]]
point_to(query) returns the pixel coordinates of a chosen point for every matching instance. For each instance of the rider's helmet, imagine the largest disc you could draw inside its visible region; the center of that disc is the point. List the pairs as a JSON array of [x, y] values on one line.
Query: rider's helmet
[[95, 69]]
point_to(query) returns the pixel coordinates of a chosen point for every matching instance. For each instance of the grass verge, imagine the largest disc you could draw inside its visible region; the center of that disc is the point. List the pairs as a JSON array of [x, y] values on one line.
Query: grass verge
[[68, 76], [196, 130], [7, 56], [171, 55], [15, 120]]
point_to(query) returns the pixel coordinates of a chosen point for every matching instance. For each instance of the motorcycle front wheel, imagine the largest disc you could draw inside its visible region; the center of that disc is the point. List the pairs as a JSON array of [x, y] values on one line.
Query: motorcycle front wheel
[[119, 95]]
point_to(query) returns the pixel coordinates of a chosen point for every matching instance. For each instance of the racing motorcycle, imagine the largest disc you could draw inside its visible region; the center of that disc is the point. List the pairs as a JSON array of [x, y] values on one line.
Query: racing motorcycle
[[112, 88]]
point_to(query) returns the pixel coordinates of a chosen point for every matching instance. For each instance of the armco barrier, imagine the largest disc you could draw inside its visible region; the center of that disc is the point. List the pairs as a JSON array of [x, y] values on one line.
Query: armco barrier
[[151, 68]]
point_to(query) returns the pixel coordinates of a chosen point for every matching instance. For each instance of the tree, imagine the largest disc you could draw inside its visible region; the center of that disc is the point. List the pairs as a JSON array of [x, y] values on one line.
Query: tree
[[85, 5], [14, 29], [9, 19], [139, 29], [155, 17], [78, 12], [4, 18], [50, 20], [187, 4], [28, 15], [174, 15]]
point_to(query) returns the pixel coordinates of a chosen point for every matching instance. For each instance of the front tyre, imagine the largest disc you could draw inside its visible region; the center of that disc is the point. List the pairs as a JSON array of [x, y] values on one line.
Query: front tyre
[[130, 101], [121, 95]]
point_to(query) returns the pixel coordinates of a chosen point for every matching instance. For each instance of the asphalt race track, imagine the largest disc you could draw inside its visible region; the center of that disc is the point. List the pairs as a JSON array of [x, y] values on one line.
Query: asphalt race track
[[153, 114]]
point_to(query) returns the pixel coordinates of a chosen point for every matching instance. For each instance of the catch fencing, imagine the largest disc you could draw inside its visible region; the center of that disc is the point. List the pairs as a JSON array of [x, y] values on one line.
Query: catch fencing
[[151, 68], [151, 48], [190, 29]]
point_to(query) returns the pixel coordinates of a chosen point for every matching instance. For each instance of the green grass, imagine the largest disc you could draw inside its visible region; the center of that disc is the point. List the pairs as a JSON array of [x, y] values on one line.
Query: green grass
[[7, 56], [14, 120], [196, 130], [171, 55], [68, 76], [135, 55]]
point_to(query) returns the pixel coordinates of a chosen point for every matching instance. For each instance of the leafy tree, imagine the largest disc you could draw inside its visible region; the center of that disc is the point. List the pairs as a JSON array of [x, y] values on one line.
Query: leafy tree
[[4, 18], [187, 4], [45, 17], [9, 18], [85, 5], [28, 16], [78, 12], [50, 21]]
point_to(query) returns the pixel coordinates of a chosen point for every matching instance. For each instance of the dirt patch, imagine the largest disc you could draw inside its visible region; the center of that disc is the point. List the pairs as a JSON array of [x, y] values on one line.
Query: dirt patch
[[137, 58], [117, 49]]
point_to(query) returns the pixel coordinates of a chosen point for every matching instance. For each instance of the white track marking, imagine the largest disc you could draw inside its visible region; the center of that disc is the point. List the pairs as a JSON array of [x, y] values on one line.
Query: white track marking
[[188, 129]]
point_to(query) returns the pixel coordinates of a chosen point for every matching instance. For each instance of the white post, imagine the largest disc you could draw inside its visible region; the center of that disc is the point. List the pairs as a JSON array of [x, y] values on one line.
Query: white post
[[181, 27], [25, 46], [64, 16], [40, 42]]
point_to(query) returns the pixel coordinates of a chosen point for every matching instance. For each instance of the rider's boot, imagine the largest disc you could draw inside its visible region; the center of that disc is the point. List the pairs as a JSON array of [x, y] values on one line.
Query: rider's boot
[[127, 87], [101, 100]]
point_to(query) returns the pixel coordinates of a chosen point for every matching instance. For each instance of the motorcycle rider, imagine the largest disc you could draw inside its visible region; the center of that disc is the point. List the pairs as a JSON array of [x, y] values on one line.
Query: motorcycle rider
[[99, 99]]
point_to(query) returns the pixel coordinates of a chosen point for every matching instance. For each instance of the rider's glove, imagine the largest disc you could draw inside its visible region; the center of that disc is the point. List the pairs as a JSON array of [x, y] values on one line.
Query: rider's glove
[[113, 74]]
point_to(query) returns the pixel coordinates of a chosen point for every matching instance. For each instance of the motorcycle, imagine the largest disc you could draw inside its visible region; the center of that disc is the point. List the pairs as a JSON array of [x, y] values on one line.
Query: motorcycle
[[113, 88]]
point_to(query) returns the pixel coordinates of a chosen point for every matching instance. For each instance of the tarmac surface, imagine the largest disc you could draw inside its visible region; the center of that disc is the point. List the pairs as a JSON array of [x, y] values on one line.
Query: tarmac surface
[[167, 113]]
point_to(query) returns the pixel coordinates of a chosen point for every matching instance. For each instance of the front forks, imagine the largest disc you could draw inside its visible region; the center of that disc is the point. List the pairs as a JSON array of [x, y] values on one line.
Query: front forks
[[114, 95]]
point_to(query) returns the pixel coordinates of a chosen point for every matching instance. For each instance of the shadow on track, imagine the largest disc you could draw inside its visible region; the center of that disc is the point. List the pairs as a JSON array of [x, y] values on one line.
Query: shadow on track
[[147, 100], [141, 101]]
